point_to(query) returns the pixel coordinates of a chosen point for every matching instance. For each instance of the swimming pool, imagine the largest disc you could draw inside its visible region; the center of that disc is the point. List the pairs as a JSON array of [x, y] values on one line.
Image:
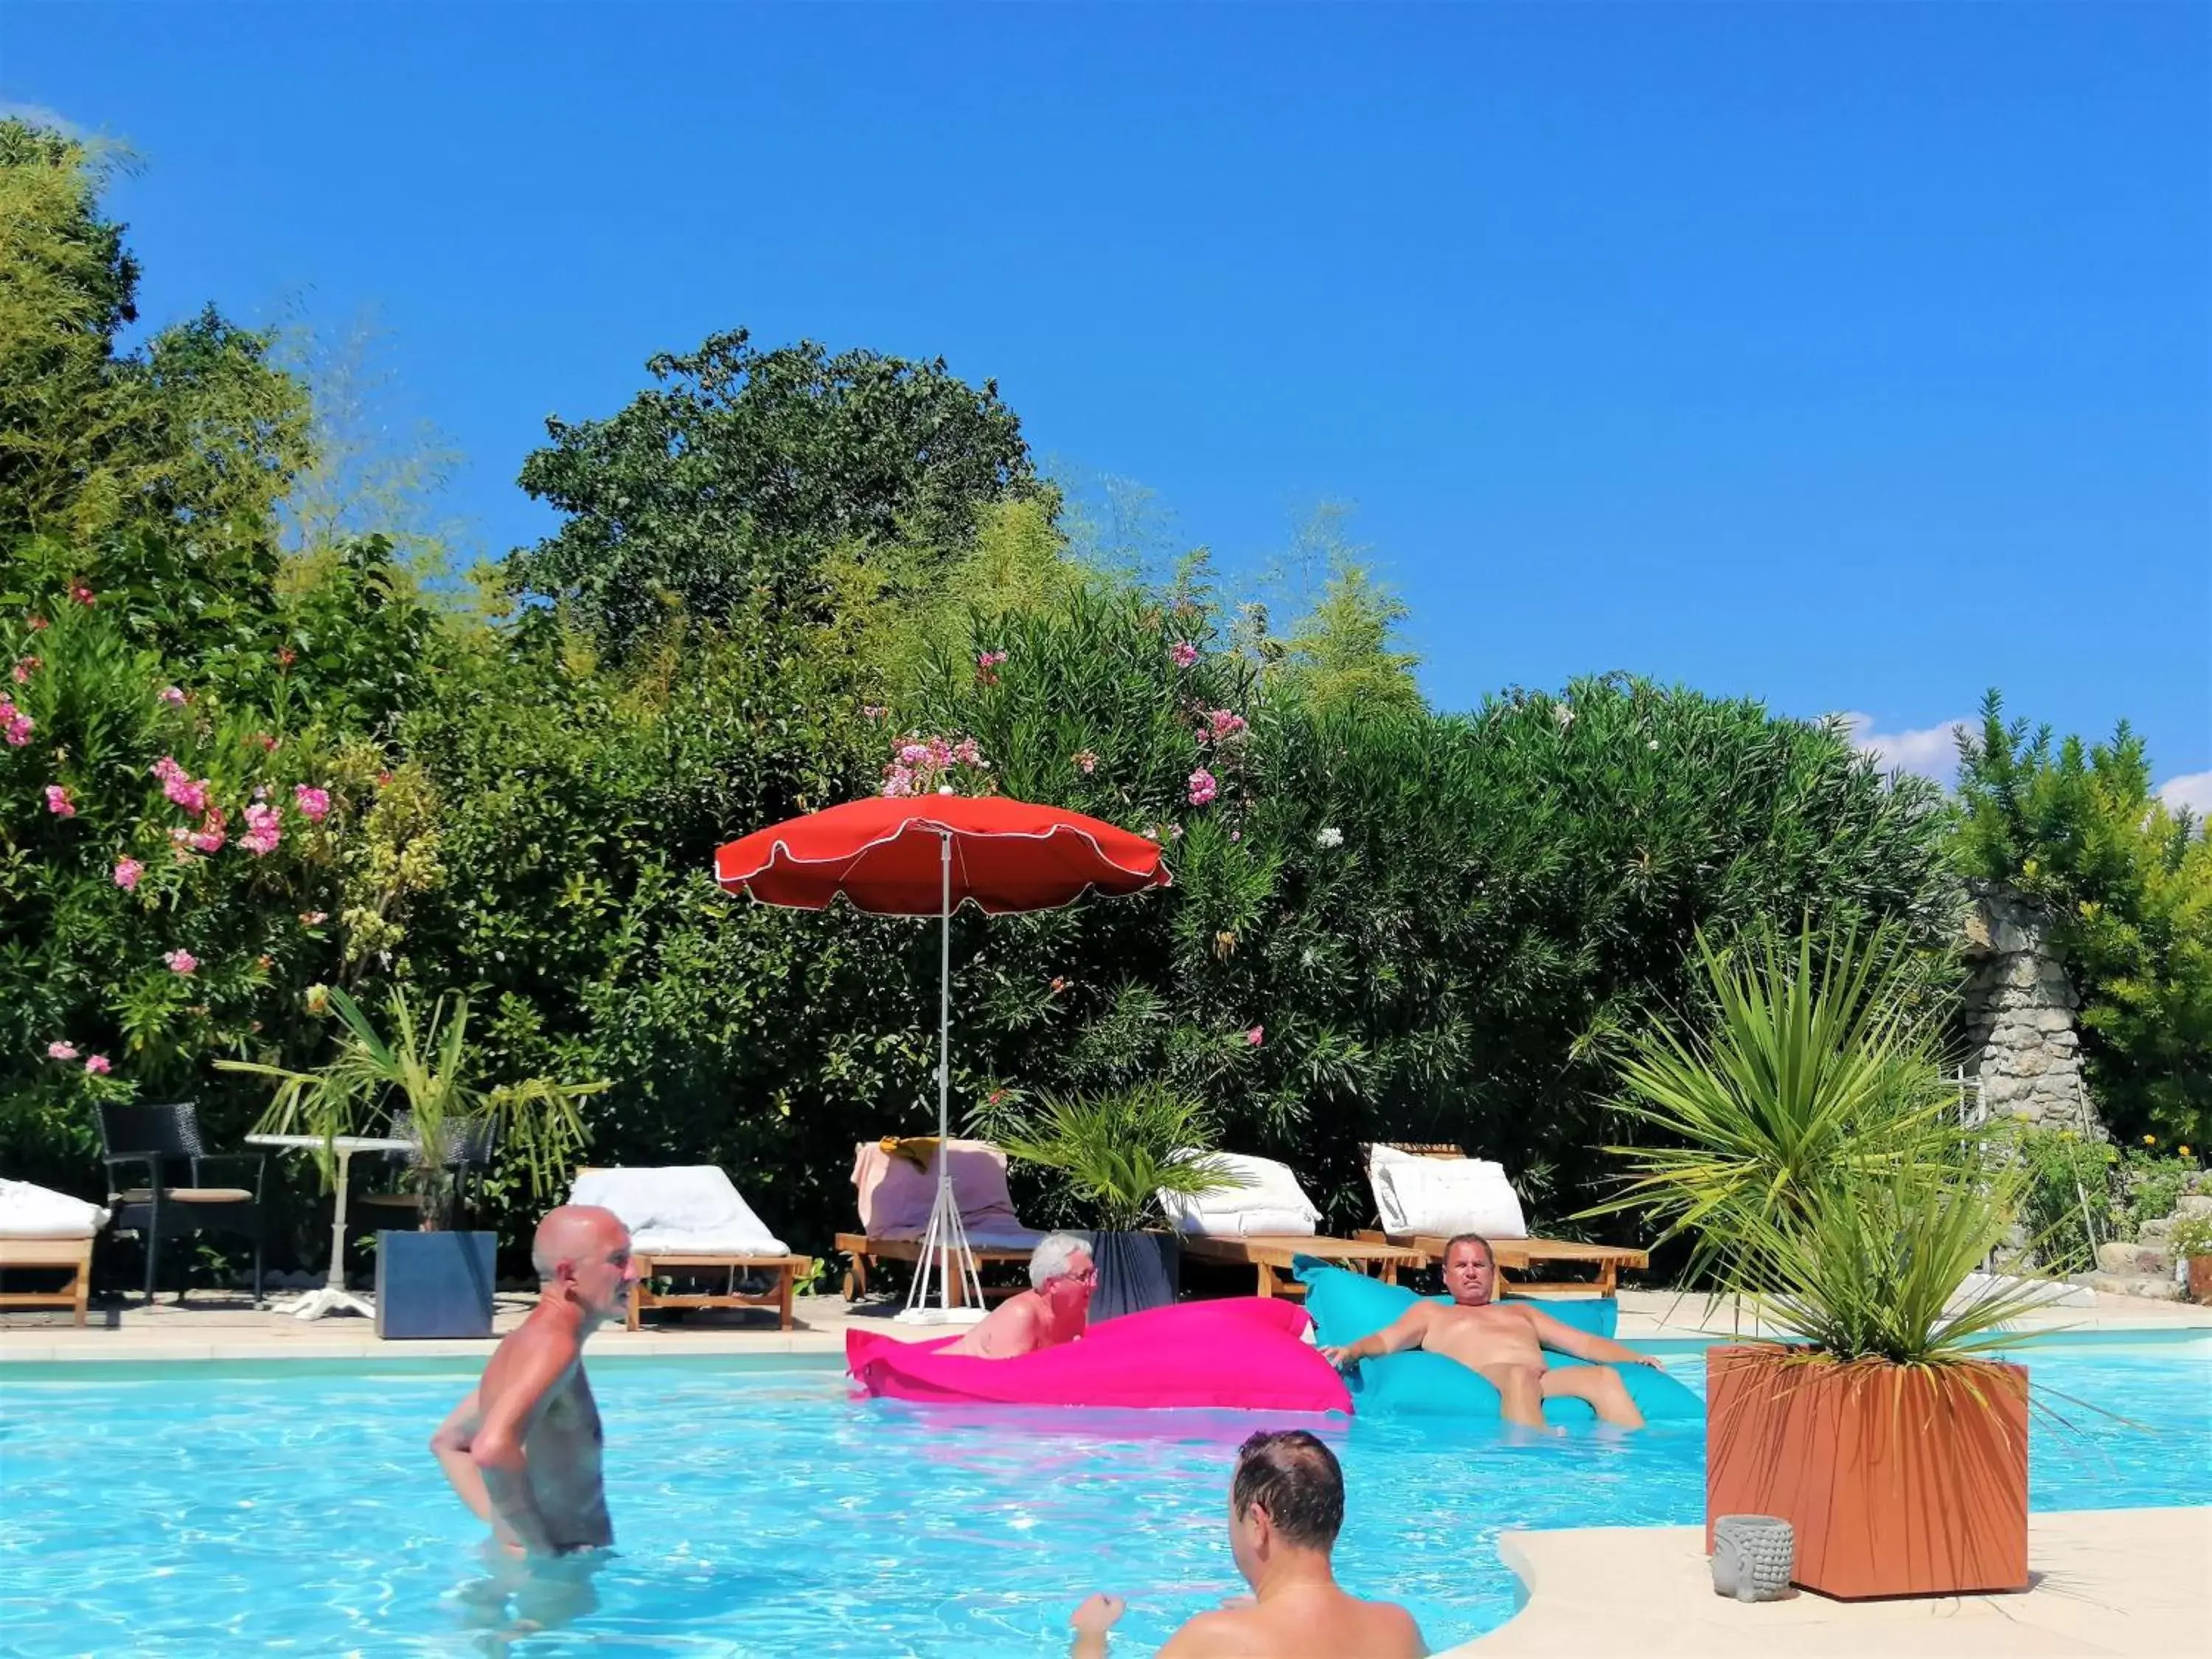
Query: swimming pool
[[206, 1508]]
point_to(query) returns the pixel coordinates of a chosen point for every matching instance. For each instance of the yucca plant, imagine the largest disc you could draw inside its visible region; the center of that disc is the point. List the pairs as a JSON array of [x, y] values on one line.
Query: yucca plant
[[1869, 1267], [421, 1074], [1118, 1151], [1823, 1063]]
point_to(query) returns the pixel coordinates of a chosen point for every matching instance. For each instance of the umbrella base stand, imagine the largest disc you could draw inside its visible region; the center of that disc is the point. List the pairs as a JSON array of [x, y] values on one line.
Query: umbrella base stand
[[945, 1252]]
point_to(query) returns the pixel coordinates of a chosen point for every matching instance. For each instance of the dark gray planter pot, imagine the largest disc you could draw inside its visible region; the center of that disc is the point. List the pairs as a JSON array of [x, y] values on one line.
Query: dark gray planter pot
[[1136, 1271], [433, 1285]]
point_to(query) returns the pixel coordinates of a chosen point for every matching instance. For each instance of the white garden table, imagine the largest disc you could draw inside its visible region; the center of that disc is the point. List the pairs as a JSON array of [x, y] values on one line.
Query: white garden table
[[333, 1297]]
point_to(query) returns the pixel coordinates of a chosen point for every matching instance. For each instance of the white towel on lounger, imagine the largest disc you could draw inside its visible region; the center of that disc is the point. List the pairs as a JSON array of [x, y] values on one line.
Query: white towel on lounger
[[29, 1211], [685, 1209]]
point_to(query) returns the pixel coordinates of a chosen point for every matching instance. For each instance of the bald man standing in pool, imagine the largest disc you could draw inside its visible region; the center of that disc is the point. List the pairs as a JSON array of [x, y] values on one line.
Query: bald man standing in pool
[[523, 1449]]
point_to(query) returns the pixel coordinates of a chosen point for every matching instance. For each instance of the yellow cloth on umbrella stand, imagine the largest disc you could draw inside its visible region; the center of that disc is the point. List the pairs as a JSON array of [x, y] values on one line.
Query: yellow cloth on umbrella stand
[[916, 1149]]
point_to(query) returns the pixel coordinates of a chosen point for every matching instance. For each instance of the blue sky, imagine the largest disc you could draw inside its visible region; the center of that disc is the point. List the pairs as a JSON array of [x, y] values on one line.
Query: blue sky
[[1853, 357]]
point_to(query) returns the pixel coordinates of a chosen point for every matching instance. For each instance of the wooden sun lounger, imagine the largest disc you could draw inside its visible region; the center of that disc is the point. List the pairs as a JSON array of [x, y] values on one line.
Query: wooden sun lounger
[[786, 1269], [72, 1253], [865, 1251], [1272, 1255], [1518, 1255]]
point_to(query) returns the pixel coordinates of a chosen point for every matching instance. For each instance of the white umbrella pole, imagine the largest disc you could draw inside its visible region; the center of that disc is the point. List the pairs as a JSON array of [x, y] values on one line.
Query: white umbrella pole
[[944, 1244]]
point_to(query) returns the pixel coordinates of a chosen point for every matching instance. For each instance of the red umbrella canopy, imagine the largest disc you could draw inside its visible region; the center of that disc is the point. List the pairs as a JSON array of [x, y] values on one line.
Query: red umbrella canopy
[[882, 854]]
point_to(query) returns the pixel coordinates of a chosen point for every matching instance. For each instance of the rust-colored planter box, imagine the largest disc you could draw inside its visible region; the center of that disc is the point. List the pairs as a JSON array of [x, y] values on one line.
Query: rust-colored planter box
[[2200, 1279], [1898, 1481]]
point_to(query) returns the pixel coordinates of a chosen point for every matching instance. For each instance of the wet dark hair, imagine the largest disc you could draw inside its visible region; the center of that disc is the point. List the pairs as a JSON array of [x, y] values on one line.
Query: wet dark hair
[[1458, 1239], [1295, 1477]]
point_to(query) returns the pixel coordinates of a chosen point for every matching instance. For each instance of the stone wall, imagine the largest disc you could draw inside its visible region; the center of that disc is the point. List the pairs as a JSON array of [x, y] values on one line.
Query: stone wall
[[2019, 1010]]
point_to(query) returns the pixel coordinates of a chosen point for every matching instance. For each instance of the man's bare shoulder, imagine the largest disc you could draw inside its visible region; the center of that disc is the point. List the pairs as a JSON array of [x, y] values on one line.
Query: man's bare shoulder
[[537, 1353], [1222, 1634], [1373, 1630]]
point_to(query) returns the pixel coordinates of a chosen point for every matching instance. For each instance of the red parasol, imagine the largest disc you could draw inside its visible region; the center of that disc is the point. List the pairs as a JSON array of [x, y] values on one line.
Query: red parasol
[[926, 856], [887, 856]]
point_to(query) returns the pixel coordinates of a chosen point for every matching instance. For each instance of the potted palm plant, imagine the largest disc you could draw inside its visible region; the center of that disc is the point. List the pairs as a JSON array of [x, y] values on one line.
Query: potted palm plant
[[431, 1282], [1119, 1152], [1807, 1145]]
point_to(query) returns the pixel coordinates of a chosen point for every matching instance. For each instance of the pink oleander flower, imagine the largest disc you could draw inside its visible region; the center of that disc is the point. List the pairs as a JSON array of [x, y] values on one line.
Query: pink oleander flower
[[181, 962], [61, 1051], [898, 780], [263, 831], [314, 804], [189, 793], [209, 837], [167, 770], [268, 743], [1203, 786], [83, 595], [1182, 654], [987, 667], [1256, 1037], [314, 918], [873, 711], [1220, 725], [913, 754], [37, 624], [966, 752], [286, 656], [127, 872], [1236, 835], [1086, 761], [24, 667], [97, 1065], [172, 695], [19, 727], [59, 802]]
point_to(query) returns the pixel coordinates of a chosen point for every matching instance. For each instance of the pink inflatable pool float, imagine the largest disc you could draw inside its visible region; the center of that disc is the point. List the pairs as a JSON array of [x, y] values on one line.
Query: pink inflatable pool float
[[1245, 1354]]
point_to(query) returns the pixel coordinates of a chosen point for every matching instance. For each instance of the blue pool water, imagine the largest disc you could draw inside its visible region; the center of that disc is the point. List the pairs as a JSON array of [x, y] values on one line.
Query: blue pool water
[[190, 1510]]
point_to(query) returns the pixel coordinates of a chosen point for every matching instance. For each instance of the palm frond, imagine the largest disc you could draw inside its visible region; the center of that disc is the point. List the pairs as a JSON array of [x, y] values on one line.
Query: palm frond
[[1118, 1151]]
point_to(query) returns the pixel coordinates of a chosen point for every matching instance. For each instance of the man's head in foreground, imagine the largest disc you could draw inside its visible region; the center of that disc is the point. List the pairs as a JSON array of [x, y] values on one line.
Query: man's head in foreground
[[1287, 1494], [1060, 1271], [582, 1253], [1470, 1270]]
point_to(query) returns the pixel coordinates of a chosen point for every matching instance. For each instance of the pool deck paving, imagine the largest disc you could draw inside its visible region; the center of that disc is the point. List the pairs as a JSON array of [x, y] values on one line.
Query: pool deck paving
[[2134, 1581]]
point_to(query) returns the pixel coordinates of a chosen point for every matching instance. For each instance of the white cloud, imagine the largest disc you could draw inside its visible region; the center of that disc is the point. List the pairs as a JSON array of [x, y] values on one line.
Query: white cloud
[[1930, 751], [2192, 789], [38, 115]]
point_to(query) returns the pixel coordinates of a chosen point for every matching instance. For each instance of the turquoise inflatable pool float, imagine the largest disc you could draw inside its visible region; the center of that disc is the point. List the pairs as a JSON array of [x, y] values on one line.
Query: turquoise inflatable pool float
[[1346, 1306]]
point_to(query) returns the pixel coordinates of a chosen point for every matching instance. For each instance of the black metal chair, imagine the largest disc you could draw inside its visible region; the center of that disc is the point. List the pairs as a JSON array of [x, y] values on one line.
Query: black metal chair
[[158, 1139], [469, 1144]]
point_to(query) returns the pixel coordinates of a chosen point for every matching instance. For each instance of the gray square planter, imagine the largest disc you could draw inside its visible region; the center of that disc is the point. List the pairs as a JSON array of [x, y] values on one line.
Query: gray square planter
[[433, 1285], [1136, 1271]]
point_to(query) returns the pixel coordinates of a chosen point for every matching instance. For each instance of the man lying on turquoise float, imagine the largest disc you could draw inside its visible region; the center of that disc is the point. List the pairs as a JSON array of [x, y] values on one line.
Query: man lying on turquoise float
[[1504, 1343]]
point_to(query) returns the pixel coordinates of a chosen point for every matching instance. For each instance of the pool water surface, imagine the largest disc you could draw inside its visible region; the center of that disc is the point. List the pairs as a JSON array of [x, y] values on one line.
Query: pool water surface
[[191, 1509]]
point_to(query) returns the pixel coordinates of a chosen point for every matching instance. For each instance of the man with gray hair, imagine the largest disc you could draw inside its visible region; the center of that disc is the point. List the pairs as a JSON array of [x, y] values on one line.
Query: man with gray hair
[[1053, 1311]]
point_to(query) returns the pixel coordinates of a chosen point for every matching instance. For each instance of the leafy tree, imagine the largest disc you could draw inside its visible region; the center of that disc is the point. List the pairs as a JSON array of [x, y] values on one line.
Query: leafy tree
[[1340, 650], [1339, 655], [199, 432], [2128, 883], [729, 482]]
